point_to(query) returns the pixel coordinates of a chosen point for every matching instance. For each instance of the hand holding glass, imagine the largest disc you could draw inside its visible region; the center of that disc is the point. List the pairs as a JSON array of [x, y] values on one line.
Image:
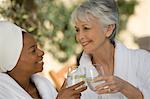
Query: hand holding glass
[[91, 74], [75, 75]]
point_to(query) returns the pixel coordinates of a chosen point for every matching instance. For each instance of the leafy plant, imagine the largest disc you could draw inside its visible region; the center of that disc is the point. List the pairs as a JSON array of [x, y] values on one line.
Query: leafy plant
[[48, 21]]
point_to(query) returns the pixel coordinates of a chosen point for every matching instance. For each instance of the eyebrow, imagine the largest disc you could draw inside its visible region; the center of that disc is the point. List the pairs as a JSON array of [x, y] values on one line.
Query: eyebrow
[[86, 24], [76, 27], [32, 46], [83, 25]]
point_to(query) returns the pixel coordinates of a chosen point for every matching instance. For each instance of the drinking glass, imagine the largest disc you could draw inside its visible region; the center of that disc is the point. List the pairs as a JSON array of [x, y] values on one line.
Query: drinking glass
[[75, 75], [91, 74]]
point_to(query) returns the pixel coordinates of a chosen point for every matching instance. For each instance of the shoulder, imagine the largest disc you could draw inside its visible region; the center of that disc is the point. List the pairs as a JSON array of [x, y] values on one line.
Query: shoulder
[[44, 86], [141, 54], [3, 76], [131, 52], [40, 78]]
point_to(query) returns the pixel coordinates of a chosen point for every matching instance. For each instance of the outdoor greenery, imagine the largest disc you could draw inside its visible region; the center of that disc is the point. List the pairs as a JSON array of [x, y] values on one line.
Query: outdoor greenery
[[48, 21]]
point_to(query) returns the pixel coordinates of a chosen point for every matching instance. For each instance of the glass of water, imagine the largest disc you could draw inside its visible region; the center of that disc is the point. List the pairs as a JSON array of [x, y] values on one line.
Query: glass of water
[[92, 73], [75, 75]]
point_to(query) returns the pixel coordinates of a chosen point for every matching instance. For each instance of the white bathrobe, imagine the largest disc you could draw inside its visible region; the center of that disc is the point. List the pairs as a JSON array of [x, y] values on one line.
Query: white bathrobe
[[10, 89], [130, 65]]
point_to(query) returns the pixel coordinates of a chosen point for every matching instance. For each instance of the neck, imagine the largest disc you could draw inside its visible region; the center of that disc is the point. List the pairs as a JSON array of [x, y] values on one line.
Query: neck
[[104, 55], [22, 79]]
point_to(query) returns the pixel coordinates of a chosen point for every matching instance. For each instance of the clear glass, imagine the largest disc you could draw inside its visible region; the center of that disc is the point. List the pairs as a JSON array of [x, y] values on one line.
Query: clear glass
[[75, 75], [91, 74]]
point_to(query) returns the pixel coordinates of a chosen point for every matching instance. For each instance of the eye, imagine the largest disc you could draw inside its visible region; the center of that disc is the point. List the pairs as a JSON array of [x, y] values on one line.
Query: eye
[[34, 50], [86, 28], [77, 30]]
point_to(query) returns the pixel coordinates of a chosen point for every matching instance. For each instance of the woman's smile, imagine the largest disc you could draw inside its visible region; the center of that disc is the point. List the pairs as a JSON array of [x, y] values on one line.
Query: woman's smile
[[86, 43]]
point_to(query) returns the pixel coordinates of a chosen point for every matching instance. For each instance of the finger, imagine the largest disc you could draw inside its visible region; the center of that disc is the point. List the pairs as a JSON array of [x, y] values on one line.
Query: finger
[[104, 78], [104, 85], [101, 86], [114, 89], [76, 85], [79, 90], [102, 91], [64, 84], [100, 78], [105, 90]]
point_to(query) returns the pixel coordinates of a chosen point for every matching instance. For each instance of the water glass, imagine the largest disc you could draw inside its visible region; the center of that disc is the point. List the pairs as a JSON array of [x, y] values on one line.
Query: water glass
[[75, 75], [91, 74]]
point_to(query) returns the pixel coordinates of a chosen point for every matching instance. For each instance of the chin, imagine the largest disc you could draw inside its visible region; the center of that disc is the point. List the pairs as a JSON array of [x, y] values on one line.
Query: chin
[[38, 71], [88, 51], [39, 68]]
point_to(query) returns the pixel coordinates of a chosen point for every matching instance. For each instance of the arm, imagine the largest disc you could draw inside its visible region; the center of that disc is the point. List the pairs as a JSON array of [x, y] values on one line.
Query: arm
[[132, 92]]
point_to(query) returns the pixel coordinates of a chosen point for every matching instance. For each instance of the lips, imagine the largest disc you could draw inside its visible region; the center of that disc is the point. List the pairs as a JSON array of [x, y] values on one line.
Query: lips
[[40, 61], [85, 43]]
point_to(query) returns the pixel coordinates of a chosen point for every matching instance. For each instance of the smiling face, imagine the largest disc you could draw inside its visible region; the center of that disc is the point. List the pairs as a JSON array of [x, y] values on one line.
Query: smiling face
[[30, 60], [90, 34]]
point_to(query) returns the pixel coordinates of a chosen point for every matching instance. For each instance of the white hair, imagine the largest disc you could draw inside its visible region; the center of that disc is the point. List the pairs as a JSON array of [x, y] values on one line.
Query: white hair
[[105, 10]]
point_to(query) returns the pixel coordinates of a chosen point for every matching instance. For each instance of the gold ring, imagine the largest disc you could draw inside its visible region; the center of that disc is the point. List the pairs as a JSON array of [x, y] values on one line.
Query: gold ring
[[109, 90], [106, 87]]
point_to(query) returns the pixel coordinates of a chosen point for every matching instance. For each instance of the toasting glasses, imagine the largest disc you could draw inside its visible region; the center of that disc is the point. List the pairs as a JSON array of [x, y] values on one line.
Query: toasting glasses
[[92, 73], [87, 74], [75, 75]]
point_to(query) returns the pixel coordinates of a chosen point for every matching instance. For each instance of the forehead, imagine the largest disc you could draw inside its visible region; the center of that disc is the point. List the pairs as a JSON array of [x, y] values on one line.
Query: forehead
[[28, 39], [87, 21], [83, 17]]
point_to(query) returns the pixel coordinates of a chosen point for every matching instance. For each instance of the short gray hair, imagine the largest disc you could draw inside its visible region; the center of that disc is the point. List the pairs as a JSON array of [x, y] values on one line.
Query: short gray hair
[[105, 10]]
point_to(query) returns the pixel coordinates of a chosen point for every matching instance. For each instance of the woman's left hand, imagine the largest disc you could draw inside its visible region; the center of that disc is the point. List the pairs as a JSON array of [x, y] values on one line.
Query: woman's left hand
[[112, 84], [115, 84]]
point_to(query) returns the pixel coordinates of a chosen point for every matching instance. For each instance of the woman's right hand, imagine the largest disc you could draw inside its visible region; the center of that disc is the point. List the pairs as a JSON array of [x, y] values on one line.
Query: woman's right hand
[[72, 92]]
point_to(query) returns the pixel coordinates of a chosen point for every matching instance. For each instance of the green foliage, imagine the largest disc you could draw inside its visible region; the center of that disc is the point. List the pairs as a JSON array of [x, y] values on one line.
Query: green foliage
[[48, 21], [126, 8]]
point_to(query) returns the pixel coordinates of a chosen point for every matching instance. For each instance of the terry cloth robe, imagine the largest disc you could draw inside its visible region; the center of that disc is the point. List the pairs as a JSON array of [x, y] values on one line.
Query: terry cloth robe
[[10, 89], [130, 65]]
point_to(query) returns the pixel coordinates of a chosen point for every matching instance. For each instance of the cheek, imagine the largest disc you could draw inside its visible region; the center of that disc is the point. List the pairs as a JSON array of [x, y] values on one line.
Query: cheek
[[25, 62], [23, 65], [98, 38], [28, 60], [77, 37], [100, 34]]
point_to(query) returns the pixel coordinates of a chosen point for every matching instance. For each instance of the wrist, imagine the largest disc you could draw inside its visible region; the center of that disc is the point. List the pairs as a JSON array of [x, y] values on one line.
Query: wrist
[[58, 97], [131, 92]]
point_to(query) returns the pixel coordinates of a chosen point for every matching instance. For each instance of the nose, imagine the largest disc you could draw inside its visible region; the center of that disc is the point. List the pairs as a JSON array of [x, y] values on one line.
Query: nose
[[80, 36], [40, 52]]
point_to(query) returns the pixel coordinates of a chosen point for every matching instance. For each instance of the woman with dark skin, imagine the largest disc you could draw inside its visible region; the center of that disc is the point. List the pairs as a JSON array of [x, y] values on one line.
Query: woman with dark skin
[[20, 61]]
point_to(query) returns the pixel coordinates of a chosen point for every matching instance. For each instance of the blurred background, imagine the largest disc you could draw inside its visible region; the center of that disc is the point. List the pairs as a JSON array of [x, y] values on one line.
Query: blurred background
[[48, 21]]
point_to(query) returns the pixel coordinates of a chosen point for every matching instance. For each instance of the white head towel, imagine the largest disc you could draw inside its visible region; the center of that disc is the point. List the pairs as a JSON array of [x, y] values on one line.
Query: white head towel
[[11, 44]]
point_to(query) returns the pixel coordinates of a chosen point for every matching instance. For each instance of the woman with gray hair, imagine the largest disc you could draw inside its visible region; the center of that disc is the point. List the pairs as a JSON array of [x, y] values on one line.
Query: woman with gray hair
[[125, 72]]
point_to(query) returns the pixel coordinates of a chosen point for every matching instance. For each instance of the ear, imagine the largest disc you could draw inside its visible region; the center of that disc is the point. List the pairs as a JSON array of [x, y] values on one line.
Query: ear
[[109, 29]]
